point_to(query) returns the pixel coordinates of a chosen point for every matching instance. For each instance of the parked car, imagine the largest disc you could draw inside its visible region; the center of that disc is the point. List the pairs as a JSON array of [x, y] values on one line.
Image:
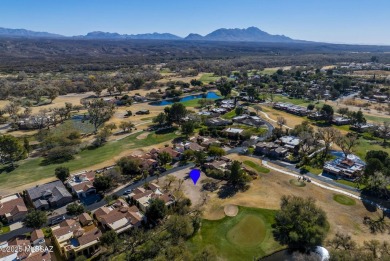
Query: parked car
[[127, 192], [57, 220]]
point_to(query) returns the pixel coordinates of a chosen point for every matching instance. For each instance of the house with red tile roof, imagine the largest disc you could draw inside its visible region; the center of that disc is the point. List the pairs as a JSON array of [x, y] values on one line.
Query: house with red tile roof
[[74, 239], [119, 217], [141, 197], [81, 183], [24, 249], [13, 208]]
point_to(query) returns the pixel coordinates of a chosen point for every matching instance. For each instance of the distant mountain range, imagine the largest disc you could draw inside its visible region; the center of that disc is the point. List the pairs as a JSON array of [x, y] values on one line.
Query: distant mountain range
[[250, 34]]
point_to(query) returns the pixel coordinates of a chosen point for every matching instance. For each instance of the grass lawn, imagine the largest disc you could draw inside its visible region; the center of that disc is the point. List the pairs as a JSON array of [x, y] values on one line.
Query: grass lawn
[[253, 130], [30, 170], [243, 237], [209, 77], [230, 115], [350, 183], [365, 145], [301, 102], [4, 229], [297, 183], [255, 166], [313, 169], [344, 200], [268, 71], [376, 119], [193, 103]]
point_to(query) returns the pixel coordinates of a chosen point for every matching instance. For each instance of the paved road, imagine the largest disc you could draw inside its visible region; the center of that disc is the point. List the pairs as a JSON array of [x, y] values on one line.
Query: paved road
[[94, 206]]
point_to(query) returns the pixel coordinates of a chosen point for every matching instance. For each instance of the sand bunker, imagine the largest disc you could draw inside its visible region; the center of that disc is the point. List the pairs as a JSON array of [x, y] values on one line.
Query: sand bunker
[[230, 210]]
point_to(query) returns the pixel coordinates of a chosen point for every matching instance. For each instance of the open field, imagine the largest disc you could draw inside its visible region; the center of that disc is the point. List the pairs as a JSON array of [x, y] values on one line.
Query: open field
[[31, 170], [247, 235]]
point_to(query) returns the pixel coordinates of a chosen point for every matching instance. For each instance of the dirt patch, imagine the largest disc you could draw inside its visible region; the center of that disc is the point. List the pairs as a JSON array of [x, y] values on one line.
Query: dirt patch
[[190, 190], [143, 136], [230, 210]]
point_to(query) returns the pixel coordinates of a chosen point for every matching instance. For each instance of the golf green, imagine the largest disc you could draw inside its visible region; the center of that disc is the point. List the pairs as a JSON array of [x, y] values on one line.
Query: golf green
[[250, 231], [246, 236]]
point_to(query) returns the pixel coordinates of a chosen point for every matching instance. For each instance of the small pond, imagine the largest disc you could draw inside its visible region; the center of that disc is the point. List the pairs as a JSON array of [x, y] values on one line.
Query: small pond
[[209, 95]]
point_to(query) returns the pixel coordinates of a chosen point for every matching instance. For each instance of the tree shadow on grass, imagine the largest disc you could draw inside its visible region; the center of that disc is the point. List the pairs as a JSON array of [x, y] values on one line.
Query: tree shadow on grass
[[7, 169], [227, 190], [166, 130]]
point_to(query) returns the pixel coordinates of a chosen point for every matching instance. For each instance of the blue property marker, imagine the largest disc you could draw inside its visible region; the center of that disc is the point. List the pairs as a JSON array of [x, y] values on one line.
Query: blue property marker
[[195, 175]]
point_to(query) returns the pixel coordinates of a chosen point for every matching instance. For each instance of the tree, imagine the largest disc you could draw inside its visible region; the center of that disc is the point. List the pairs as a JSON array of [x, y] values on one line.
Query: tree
[[373, 246], [376, 184], [110, 239], [343, 111], [205, 102], [347, 142], [60, 154], [126, 126], [164, 158], [75, 209], [26, 145], [342, 241], [307, 143], [225, 88], [102, 183], [385, 131], [252, 93], [12, 109], [156, 210], [99, 112], [300, 223], [328, 135], [281, 121], [129, 166], [195, 82], [35, 219], [176, 113], [327, 111], [257, 108], [239, 110], [301, 128], [357, 118], [215, 151], [180, 227], [208, 253], [10, 150], [187, 128], [237, 176], [102, 136], [200, 157], [62, 173], [160, 119], [169, 180], [52, 93]]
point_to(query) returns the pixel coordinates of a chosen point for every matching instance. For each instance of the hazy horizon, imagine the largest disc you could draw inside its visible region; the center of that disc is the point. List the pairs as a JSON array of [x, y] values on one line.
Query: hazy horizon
[[349, 22]]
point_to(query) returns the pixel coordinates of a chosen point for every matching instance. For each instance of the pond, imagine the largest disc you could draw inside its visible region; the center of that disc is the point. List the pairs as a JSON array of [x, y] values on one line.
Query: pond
[[209, 95]]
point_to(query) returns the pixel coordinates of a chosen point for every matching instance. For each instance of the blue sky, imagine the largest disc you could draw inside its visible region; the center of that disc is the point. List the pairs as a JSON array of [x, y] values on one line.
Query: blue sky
[[341, 21]]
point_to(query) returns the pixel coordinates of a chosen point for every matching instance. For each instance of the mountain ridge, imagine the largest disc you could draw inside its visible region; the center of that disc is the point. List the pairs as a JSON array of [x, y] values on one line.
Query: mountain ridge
[[250, 34]]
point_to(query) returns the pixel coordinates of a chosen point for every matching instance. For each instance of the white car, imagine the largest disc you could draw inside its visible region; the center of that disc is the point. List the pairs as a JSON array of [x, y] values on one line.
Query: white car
[[127, 192]]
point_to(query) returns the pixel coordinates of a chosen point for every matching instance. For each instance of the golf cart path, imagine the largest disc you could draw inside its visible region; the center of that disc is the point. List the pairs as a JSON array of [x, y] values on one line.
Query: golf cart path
[[266, 115]]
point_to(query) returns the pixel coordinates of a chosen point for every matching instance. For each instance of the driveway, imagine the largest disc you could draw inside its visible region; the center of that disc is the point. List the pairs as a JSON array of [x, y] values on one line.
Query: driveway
[[16, 225]]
